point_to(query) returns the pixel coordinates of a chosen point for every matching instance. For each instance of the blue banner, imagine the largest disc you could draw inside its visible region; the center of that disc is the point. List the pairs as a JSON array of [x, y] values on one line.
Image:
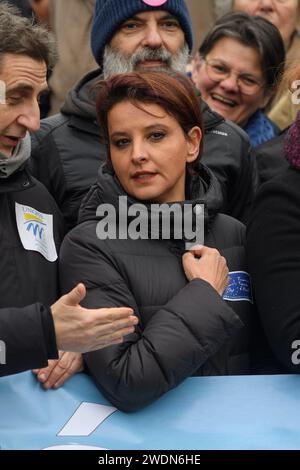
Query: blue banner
[[257, 412]]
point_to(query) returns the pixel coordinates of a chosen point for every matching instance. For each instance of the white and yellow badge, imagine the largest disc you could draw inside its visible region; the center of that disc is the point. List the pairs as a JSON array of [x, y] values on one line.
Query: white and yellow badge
[[36, 231]]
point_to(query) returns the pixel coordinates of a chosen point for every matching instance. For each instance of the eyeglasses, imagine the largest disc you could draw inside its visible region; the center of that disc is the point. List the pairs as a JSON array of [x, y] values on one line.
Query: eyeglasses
[[218, 71]]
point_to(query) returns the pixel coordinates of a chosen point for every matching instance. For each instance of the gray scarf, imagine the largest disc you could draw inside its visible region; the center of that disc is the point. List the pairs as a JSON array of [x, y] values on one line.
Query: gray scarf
[[8, 165]]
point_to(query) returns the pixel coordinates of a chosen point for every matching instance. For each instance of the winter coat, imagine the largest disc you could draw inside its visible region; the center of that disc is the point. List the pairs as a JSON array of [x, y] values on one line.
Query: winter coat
[[270, 158], [274, 255], [185, 328], [29, 281]]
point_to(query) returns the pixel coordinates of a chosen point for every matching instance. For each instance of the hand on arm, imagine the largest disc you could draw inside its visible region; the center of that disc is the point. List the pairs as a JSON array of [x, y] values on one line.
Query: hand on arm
[[83, 330]]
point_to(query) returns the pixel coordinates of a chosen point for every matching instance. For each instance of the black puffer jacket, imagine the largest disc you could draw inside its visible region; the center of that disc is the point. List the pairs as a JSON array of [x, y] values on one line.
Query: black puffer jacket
[[29, 282], [67, 154], [185, 327]]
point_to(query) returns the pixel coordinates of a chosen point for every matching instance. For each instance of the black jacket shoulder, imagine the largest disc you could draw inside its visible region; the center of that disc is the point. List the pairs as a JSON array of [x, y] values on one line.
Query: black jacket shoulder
[[227, 153], [270, 158]]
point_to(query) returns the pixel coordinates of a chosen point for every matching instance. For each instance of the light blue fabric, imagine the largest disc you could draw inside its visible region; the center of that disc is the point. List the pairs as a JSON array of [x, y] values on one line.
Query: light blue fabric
[[260, 128], [249, 412]]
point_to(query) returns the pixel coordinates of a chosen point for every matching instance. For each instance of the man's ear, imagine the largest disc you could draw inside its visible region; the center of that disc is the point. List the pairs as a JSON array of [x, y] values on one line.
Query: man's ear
[[194, 139]]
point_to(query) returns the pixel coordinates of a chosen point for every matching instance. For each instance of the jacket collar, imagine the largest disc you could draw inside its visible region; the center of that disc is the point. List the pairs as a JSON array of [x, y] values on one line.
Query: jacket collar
[[19, 181], [204, 189]]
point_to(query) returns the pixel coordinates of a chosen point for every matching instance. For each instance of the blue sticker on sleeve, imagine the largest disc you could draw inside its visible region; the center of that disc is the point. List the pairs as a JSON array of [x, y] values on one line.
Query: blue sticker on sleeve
[[239, 287]]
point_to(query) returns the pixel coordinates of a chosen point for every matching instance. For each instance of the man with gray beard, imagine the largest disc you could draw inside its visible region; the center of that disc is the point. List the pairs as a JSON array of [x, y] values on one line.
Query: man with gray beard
[[133, 35], [115, 62]]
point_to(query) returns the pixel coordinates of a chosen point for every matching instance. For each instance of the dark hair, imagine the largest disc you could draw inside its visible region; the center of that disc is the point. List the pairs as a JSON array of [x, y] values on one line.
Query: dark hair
[[18, 35], [173, 91], [251, 31]]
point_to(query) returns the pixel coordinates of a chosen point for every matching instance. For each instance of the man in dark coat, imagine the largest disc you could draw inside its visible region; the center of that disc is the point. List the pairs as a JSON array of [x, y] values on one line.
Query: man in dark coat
[[274, 255], [67, 151], [31, 226]]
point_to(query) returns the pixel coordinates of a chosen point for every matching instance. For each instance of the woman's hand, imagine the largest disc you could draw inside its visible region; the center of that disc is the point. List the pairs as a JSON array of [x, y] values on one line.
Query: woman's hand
[[207, 264], [59, 370]]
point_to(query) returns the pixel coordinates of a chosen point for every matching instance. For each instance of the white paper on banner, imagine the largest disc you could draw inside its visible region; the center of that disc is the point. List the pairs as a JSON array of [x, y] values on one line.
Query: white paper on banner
[[36, 231], [86, 419]]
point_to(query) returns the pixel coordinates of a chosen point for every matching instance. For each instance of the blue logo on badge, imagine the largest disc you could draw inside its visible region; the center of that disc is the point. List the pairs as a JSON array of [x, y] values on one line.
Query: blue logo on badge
[[239, 287]]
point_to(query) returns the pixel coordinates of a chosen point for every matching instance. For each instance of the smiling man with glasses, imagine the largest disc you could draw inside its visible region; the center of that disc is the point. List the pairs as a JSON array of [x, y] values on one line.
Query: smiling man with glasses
[[238, 67]]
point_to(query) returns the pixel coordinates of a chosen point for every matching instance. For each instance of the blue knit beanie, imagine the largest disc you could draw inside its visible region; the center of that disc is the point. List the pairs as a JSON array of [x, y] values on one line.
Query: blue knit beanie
[[109, 14]]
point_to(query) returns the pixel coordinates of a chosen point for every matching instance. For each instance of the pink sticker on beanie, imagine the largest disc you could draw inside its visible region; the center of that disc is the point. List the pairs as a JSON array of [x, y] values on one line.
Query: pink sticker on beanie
[[154, 3]]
